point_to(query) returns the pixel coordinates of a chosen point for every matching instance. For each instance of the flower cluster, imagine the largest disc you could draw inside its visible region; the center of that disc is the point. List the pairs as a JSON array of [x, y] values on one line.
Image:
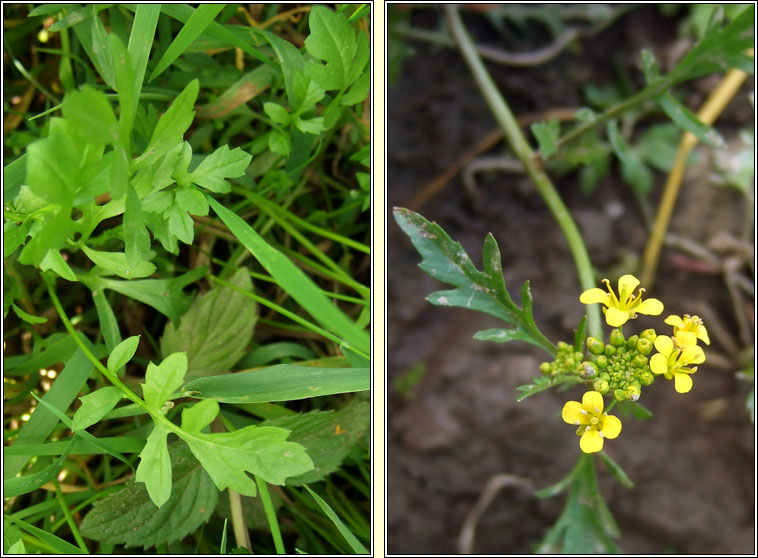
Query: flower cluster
[[623, 365]]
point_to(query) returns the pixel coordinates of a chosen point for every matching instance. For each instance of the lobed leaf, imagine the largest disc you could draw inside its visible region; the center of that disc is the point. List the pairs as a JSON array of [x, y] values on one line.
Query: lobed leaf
[[154, 468], [163, 380]]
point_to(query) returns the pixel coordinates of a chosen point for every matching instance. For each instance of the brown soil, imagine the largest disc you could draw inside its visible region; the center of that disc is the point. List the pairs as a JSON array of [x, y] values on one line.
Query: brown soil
[[692, 463]]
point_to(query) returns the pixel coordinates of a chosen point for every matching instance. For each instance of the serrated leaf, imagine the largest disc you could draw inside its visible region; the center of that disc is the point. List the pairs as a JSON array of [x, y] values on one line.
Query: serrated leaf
[[328, 436], [222, 163], [180, 224], [155, 466], [261, 450], [333, 41], [123, 353], [215, 330], [484, 291], [547, 134], [283, 382], [116, 263], [171, 126], [129, 517], [95, 406]]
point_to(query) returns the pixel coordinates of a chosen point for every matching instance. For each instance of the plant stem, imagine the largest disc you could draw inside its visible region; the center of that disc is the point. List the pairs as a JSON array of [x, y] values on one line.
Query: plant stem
[[529, 159]]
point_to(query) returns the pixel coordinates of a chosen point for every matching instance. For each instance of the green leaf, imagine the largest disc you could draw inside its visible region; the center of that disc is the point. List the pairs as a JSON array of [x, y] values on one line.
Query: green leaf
[[17, 486], [155, 466], [180, 224], [328, 436], [294, 282], [165, 295], [216, 329], [195, 25], [283, 382], [222, 163], [129, 517], [354, 543], [332, 40], [541, 383], [138, 51], [96, 405], [116, 263], [163, 380], [632, 408], [101, 49], [310, 126], [261, 450], [123, 353], [192, 201], [56, 543], [136, 237], [277, 113], [689, 122], [484, 291], [586, 526], [91, 113], [28, 318], [171, 127], [547, 134], [616, 470]]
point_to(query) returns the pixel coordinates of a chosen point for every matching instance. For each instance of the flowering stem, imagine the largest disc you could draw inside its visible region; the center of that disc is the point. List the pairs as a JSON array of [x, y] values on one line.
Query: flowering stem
[[529, 159]]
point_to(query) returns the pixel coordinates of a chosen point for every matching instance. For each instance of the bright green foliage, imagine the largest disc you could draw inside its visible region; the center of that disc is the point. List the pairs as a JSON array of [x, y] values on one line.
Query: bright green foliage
[[261, 450], [586, 525], [155, 466], [215, 330], [483, 291], [95, 406], [129, 517]]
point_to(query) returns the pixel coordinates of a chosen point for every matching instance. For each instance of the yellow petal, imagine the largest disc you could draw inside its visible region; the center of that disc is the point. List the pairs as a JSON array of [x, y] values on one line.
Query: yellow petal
[[651, 307], [592, 402], [675, 321], [572, 413], [664, 344], [627, 284], [658, 364], [693, 355], [591, 296], [686, 338], [702, 334], [591, 441], [615, 317], [682, 383], [611, 427]]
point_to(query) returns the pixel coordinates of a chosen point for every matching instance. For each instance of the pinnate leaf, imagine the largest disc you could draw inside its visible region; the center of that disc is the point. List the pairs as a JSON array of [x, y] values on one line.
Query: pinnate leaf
[[163, 380], [129, 517], [483, 291], [222, 163]]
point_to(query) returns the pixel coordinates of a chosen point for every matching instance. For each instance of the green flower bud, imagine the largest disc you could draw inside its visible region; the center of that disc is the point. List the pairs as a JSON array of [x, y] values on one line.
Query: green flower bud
[[578, 357], [601, 361], [595, 346], [616, 338], [632, 341], [632, 392], [604, 376], [648, 334], [610, 350], [639, 361], [600, 386], [562, 345], [587, 370], [619, 394], [545, 368], [644, 346], [646, 378]]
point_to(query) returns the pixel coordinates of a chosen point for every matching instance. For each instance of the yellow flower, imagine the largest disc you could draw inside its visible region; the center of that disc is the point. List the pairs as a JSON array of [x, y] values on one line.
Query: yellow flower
[[675, 363], [624, 307], [688, 329], [594, 424]]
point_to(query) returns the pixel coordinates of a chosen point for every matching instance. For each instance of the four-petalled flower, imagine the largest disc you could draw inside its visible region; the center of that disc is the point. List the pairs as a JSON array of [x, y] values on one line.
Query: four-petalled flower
[[624, 307], [688, 329], [675, 362], [594, 424]]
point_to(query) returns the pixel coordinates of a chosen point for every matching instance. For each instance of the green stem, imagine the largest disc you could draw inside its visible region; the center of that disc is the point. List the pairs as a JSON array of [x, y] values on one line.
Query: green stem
[[268, 507], [529, 159], [69, 518]]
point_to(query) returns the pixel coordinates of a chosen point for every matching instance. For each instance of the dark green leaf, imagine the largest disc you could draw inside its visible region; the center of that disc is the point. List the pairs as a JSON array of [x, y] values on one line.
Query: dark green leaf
[[689, 122], [541, 383], [616, 470]]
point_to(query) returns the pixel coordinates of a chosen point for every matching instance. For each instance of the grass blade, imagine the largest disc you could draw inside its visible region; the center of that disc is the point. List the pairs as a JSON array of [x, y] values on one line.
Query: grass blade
[[354, 543], [294, 282], [200, 19]]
